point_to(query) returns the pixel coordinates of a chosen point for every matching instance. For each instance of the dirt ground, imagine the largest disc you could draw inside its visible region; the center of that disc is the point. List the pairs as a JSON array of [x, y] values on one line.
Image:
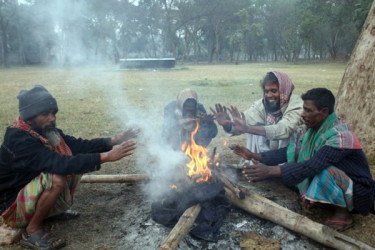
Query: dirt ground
[[117, 216]]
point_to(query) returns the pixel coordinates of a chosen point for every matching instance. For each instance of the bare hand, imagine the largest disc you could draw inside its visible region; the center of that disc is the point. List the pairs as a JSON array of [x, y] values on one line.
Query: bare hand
[[119, 151], [221, 115], [259, 171], [206, 117], [127, 135], [242, 151], [239, 120]]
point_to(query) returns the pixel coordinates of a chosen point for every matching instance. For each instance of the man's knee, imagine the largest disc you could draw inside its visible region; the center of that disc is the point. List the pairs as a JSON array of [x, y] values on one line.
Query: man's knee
[[58, 182]]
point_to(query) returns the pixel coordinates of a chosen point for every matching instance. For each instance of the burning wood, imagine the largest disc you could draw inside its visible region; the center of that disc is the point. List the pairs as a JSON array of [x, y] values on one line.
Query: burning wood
[[198, 166]]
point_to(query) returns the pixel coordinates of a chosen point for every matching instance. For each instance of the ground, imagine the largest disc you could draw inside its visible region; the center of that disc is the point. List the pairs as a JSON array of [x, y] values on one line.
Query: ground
[[117, 216]]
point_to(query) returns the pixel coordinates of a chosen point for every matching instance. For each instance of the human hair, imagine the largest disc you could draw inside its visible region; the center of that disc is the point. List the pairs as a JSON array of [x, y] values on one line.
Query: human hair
[[322, 98], [270, 77]]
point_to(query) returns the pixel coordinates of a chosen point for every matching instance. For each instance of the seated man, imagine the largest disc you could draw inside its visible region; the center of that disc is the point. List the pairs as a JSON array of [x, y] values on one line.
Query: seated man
[[270, 121], [327, 164], [181, 118], [40, 166]]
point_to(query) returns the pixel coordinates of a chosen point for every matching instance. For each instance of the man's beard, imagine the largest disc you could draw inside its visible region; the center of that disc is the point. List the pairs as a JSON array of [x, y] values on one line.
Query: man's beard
[[49, 132], [271, 107], [52, 136]]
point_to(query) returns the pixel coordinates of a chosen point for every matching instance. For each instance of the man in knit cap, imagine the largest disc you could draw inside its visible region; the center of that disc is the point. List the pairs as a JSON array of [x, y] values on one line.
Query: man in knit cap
[[181, 117], [40, 167], [271, 121]]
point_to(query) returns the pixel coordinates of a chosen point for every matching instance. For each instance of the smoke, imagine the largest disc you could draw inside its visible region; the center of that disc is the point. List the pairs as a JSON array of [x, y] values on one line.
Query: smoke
[[159, 161]]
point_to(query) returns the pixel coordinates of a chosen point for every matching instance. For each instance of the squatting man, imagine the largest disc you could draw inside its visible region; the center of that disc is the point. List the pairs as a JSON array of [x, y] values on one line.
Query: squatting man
[[40, 167], [326, 164]]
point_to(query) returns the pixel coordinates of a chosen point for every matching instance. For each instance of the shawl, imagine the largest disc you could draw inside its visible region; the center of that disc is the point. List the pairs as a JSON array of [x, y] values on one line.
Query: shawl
[[62, 148], [333, 132], [286, 88]]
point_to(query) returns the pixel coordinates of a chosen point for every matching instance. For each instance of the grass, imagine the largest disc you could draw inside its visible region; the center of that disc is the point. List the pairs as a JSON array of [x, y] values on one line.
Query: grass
[[99, 101]]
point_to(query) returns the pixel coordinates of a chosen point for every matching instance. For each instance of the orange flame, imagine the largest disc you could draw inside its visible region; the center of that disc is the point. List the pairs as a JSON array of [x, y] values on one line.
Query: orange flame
[[198, 165], [173, 186], [225, 143]]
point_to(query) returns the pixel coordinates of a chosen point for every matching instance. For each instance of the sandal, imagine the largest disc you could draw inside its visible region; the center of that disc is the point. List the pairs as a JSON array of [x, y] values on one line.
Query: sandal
[[67, 215], [41, 240], [338, 225]]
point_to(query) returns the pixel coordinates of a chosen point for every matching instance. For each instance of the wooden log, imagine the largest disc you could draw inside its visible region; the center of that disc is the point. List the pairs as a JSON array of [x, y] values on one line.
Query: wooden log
[[182, 227], [228, 183], [121, 178], [267, 209]]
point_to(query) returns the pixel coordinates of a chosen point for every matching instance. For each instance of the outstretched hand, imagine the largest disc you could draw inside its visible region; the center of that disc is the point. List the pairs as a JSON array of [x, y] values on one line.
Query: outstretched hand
[[242, 151], [239, 120], [221, 115], [207, 117], [127, 135], [259, 171], [118, 152]]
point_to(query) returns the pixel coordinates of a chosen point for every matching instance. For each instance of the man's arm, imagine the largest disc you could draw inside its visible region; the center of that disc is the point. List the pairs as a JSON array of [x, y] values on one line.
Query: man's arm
[[253, 120], [294, 173]]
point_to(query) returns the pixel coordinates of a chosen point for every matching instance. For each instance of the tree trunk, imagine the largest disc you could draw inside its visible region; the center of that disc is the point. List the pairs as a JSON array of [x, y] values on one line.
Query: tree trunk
[[356, 95]]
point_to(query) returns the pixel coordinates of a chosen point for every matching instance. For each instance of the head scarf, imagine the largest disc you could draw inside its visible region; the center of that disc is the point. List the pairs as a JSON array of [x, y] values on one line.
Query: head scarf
[[286, 88], [184, 95]]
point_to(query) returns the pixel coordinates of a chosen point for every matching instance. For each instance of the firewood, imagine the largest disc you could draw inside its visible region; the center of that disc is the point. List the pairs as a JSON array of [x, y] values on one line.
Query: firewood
[[267, 209], [182, 227], [121, 178], [228, 183]]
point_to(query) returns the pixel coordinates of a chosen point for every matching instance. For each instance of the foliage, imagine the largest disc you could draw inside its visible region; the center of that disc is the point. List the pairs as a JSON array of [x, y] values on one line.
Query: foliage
[[81, 31]]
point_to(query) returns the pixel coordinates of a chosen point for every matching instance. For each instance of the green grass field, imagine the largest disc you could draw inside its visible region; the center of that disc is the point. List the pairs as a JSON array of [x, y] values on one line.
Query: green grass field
[[99, 101]]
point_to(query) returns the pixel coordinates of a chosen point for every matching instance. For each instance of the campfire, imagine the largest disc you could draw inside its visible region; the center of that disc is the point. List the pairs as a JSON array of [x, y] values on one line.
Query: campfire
[[203, 188], [198, 167]]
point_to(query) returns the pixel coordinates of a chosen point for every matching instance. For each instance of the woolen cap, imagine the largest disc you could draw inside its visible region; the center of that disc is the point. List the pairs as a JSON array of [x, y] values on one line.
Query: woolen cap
[[35, 101]]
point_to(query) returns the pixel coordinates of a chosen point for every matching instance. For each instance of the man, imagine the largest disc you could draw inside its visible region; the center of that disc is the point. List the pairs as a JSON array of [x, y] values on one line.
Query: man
[[40, 166], [270, 121], [327, 164], [181, 118]]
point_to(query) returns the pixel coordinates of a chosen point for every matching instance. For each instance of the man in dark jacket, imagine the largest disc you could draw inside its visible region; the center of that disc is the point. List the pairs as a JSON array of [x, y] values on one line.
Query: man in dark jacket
[[326, 164], [40, 166], [181, 117]]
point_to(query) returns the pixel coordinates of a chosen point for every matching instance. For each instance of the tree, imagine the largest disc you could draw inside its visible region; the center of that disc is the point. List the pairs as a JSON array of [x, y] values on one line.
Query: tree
[[356, 95]]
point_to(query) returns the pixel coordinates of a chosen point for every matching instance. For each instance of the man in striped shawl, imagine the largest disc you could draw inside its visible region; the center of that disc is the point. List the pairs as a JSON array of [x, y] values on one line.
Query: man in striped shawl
[[40, 167], [327, 164], [269, 122]]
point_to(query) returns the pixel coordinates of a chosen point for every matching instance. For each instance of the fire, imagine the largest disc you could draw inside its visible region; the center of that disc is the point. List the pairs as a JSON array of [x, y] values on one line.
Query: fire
[[198, 165], [173, 186], [225, 143]]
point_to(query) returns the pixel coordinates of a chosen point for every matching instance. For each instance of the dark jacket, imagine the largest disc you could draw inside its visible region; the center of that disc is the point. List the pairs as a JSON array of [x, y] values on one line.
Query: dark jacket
[[23, 157], [352, 161], [172, 132]]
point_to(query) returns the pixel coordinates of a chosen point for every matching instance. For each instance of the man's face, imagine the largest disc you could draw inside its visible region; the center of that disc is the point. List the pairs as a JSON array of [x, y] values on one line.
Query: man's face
[[189, 115], [189, 109], [313, 117], [44, 122], [271, 96]]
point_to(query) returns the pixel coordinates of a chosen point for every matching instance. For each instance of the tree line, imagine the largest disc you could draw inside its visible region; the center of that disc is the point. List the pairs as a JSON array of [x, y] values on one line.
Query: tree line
[[96, 31]]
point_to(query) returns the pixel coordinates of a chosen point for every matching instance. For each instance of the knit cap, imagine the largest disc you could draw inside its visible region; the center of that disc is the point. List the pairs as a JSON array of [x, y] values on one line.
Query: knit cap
[[35, 101]]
